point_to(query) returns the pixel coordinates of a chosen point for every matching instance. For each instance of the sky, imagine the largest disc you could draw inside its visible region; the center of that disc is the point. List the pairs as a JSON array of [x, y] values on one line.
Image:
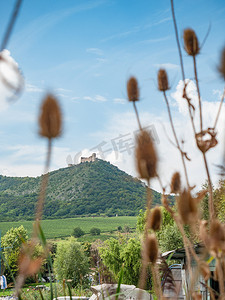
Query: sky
[[84, 52]]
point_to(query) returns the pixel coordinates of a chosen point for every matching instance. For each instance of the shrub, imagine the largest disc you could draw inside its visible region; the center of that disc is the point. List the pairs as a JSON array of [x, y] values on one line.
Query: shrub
[[78, 232], [95, 231]]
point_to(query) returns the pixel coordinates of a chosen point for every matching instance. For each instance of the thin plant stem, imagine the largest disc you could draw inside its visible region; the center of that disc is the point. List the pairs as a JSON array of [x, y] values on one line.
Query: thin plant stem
[[219, 110], [181, 62], [11, 25], [137, 115], [177, 39], [198, 90], [176, 139], [144, 263], [156, 279], [44, 182], [210, 189], [221, 279]]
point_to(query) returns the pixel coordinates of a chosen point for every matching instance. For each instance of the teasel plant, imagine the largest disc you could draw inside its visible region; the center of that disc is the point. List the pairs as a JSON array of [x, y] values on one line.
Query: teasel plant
[[212, 233], [50, 127]]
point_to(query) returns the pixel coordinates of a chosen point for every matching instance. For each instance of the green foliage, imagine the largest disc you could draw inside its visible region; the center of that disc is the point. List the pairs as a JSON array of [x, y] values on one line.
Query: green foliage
[[78, 232], [71, 262], [219, 201], [95, 231], [117, 253], [85, 189], [169, 237], [11, 243]]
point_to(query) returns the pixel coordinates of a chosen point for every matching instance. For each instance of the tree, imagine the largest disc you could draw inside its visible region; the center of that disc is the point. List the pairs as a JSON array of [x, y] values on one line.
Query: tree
[[95, 231], [11, 243], [78, 232], [116, 253], [71, 262]]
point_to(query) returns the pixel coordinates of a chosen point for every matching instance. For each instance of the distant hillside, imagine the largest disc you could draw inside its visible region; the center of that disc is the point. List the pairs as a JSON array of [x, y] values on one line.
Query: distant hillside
[[85, 189]]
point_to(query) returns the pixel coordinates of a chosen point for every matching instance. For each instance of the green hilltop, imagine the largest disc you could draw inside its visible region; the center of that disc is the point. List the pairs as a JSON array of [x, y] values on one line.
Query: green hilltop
[[90, 188]]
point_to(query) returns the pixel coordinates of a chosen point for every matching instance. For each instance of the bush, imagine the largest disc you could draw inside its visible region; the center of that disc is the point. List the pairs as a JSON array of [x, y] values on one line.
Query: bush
[[95, 231], [78, 232]]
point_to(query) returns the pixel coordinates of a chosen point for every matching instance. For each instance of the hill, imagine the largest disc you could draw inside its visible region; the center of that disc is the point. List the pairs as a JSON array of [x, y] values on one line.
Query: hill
[[85, 189]]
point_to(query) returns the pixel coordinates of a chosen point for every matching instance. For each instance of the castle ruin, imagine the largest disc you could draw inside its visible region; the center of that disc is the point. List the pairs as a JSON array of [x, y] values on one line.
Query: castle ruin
[[91, 158], [88, 159]]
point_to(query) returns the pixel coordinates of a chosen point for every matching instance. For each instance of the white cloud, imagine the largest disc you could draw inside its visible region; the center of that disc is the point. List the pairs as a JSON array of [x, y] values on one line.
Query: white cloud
[[28, 160], [95, 51], [9, 75], [169, 157]]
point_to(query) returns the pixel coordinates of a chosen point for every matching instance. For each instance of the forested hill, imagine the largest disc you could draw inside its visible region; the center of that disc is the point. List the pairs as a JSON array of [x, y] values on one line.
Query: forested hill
[[85, 189]]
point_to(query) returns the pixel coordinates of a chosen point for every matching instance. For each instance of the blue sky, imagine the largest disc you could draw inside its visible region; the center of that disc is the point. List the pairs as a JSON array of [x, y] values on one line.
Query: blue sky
[[84, 52]]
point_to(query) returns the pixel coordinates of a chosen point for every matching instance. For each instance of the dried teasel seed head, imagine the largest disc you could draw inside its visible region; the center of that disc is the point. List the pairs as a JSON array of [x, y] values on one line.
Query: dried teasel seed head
[[191, 42], [146, 157], [205, 271], [175, 183], [221, 68], [50, 118], [217, 237], [132, 89], [187, 207], [151, 248], [162, 80], [196, 296], [155, 219]]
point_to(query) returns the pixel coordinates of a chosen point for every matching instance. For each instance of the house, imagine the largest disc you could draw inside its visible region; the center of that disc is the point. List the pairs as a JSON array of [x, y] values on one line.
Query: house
[[182, 276]]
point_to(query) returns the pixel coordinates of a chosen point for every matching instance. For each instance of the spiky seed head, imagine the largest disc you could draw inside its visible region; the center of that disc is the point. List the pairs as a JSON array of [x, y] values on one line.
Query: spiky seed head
[[187, 207], [222, 64], [162, 80], [50, 118], [191, 45], [155, 219], [132, 89], [196, 296], [151, 248], [175, 184], [217, 237], [146, 156]]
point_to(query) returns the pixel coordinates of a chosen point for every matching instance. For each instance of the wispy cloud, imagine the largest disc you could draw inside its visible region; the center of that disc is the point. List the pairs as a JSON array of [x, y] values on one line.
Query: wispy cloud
[[136, 29], [35, 29], [30, 88], [158, 40], [96, 98], [119, 100], [95, 51], [167, 66]]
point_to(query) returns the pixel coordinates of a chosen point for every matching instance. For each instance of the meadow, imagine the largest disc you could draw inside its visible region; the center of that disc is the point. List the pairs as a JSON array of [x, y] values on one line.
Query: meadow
[[61, 228]]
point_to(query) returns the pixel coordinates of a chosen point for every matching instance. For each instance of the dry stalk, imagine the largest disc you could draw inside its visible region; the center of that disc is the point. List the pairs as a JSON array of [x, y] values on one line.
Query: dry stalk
[[137, 116], [198, 91], [176, 139], [219, 110]]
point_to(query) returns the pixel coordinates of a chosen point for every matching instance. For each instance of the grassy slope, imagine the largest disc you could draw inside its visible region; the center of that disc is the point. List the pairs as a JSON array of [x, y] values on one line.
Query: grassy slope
[[84, 189], [59, 228]]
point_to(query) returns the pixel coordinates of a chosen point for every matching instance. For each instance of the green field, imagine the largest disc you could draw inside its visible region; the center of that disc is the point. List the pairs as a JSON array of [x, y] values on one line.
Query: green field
[[60, 228]]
